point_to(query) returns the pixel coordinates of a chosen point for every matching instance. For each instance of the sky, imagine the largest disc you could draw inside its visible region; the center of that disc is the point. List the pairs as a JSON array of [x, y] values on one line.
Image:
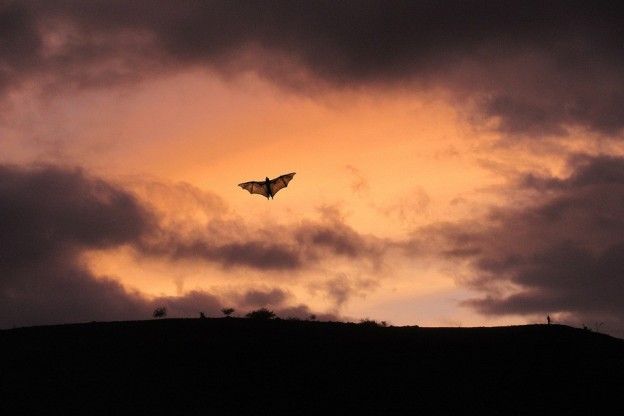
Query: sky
[[458, 163]]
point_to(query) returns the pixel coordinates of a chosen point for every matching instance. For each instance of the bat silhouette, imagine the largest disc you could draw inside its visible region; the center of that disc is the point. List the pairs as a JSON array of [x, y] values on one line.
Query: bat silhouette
[[267, 187]]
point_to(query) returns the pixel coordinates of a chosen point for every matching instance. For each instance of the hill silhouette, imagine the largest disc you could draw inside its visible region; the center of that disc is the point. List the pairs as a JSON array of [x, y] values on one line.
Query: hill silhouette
[[256, 367]]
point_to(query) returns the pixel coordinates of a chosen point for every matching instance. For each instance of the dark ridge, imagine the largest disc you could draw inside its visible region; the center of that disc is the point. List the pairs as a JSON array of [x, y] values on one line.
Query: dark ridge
[[254, 367]]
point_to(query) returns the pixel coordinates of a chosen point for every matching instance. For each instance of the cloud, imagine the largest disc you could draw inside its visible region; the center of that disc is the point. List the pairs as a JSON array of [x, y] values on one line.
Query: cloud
[[177, 205], [563, 252], [307, 245], [263, 298], [48, 210], [50, 216], [333, 237], [533, 68], [255, 254], [342, 287], [18, 35]]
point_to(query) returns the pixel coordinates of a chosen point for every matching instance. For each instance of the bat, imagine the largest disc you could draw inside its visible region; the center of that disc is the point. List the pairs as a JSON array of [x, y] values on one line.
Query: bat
[[267, 187]]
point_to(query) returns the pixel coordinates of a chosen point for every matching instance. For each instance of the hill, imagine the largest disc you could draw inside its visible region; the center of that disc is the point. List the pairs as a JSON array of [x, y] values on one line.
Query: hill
[[245, 367]]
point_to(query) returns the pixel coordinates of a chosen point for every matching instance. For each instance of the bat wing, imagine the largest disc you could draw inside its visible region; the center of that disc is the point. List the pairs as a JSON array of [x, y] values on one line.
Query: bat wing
[[255, 188], [281, 182]]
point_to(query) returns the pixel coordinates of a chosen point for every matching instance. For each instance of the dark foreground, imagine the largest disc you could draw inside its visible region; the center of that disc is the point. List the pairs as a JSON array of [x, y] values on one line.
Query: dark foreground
[[246, 367]]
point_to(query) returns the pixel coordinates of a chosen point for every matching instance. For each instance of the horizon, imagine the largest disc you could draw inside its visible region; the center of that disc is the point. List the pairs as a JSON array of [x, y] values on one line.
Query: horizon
[[457, 164], [366, 322]]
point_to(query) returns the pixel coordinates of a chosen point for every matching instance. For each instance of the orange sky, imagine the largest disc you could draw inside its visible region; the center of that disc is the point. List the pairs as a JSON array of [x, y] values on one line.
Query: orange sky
[[388, 161], [456, 163]]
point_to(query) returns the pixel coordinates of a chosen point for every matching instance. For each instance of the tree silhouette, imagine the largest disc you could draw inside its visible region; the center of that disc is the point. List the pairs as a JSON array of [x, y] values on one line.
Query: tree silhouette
[[227, 312], [262, 313], [160, 312]]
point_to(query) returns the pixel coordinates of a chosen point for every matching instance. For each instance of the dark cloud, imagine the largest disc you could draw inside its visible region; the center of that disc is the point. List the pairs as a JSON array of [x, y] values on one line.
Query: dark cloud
[[262, 298], [257, 254], [19, 42], [51, 216], [335, 238], [292, 248], [563, 253], [536, 67], [48, 217], [49, 210]]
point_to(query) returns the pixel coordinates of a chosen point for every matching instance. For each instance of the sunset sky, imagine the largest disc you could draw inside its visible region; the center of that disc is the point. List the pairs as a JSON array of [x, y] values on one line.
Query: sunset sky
[[458, 163]]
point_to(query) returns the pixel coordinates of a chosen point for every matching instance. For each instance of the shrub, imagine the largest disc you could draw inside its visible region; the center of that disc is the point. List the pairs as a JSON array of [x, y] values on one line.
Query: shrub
[[160, 312], [227, 312], [262, 314], [369, 322], [202, 316]]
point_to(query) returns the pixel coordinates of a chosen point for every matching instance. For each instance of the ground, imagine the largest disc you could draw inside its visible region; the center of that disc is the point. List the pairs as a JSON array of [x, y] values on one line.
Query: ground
[[249, 367]]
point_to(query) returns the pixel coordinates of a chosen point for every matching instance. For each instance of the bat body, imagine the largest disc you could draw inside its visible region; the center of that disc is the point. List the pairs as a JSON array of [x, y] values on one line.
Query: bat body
[[267, 187]]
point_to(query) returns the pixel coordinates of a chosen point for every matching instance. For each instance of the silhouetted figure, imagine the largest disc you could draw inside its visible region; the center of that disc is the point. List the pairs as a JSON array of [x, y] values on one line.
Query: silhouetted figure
[[548, 319], [268, 187]]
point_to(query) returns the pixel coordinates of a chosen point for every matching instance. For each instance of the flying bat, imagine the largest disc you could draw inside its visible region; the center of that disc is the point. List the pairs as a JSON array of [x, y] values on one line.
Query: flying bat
[[267, 187]]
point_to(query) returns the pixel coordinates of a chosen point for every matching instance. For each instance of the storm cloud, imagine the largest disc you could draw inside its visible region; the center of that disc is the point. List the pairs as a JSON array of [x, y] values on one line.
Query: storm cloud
[[561, 253], [532, 68]]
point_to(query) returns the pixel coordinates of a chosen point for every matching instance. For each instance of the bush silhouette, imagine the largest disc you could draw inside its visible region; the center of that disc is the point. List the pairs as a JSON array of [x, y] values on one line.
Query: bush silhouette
[[202, 315], [262, 313], [227, 312], [160, 312]]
